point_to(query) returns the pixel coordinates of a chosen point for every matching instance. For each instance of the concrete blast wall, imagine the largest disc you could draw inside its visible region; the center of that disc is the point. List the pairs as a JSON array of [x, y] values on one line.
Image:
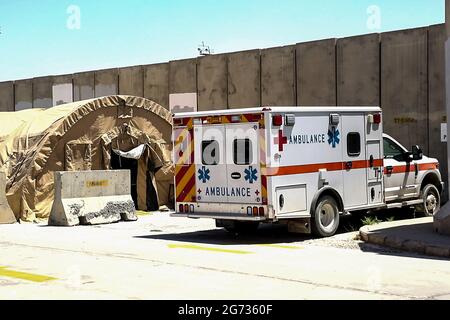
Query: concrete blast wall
[[42, 92], [83, 86], [106, 82], [183, 76], [316, 73], [131, 81], [244, 79], [358, 71], [23, 95], [403, 71], [212, 83], [6, 96], [404, 86], [278, 76], [156, 83]]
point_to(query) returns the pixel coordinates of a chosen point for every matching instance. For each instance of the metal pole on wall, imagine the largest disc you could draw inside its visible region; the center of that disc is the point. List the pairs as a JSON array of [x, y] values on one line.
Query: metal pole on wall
[[447, 75]]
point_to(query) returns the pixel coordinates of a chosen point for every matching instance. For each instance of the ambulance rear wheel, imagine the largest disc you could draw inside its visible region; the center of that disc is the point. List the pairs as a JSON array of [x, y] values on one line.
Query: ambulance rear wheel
[[240, 227], [325, 220]]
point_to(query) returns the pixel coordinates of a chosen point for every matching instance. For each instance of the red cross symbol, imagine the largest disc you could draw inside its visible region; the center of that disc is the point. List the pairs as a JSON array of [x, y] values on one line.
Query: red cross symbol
[[257, 192], [199, 191], [280, 140]]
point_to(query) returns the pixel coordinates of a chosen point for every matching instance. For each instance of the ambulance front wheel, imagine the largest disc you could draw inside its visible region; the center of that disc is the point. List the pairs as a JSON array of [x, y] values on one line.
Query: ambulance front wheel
[[431, 198], [325, 220]]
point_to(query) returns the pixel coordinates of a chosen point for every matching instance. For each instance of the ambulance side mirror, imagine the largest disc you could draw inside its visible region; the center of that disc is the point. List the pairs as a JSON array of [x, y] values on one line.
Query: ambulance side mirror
[[417, 153]]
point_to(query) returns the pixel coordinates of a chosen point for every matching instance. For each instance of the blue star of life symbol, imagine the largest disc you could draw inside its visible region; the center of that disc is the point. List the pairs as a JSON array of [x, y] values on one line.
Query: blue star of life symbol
[[333, 137], [203, 174], [251, 174]]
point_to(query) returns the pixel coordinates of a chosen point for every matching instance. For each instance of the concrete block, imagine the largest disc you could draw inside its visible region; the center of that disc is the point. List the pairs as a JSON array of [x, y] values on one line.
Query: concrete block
[[316, 73], [442, 220], [6, 214], [394, 242], [436, 98], [156, 83], [414, 246], [83, 86], [183, 76], [106, 82], [437, 251], [244, 79], [375, 238], [23, 94], [62, 90], [358, 71], [42, 92], [278, 77], [212, 83], [6, 96], [131, 81], [404, 86], [92, 197]]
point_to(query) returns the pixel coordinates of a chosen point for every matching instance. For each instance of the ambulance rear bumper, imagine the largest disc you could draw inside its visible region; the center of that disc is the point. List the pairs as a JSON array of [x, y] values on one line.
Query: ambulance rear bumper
[[219, 216]]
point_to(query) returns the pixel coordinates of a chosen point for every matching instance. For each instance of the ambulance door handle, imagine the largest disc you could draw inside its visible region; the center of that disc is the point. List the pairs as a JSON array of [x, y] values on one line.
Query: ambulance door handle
[[236, 175], [349, 165]]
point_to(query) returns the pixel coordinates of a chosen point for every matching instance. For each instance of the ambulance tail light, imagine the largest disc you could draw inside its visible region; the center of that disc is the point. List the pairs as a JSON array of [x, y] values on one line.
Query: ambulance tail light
[[261, 212], [377, 118], [191, 208], [186, 208], [181, 208], [249, 211], [255, 211], [277, 120]]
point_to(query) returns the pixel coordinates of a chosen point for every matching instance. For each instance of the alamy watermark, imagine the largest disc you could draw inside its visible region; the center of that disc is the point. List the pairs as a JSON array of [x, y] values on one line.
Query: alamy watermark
[[374, 17], [74, 18]]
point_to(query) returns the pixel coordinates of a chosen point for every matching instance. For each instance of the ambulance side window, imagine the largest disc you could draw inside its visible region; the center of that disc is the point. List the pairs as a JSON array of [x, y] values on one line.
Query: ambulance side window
[[354, 144], [210, 153], [391, 149], [242, 152]]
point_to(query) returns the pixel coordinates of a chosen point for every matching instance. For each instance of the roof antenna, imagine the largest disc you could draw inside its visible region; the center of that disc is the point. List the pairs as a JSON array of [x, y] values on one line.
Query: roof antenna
[[204, 50]]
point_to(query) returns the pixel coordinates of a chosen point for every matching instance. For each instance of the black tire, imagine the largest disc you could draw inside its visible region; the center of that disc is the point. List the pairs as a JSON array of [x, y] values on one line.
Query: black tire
[[325, 219], [431, 201], [243, 227]]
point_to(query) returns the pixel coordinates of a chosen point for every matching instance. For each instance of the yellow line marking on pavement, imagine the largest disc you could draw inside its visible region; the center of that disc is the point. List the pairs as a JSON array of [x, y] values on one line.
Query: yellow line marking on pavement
[[280, 246], [5, 272], [143, 213], [194, 247]]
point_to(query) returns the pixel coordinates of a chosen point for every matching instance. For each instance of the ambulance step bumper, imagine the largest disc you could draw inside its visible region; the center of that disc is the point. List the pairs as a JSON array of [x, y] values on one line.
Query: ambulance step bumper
[[221, 216]]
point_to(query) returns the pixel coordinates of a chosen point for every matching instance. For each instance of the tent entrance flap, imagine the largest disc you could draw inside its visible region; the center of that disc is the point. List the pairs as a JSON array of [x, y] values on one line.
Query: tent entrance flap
[[136, 153], [119, 163]]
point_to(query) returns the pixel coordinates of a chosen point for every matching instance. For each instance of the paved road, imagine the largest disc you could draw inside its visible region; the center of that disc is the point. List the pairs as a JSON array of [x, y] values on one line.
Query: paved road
[[171, 258]]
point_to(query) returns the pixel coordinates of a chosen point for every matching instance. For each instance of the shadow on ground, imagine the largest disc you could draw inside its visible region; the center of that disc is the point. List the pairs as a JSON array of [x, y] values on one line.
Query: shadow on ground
[[266, 234], [272, 234]]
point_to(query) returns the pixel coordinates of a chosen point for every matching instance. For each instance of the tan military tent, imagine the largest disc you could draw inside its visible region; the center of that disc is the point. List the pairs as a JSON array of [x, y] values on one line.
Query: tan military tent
[[114, 132]]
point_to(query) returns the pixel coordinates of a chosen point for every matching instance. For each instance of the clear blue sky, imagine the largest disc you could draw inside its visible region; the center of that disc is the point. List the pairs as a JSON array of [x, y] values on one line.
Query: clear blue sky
[[36, 41]]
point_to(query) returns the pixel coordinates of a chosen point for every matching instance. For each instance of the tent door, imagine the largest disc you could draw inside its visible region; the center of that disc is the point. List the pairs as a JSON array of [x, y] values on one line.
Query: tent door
[[152, 197], [120, 163]]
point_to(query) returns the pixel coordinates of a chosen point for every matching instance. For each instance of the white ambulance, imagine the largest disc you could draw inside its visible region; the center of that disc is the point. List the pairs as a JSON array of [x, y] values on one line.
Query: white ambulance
[[302, 166]]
